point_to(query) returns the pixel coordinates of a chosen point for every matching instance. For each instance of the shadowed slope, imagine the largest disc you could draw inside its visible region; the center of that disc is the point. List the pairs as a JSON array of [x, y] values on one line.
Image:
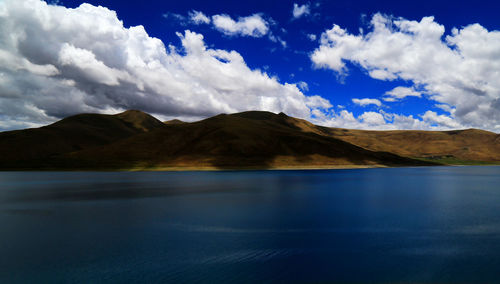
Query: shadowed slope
[[243, 140], [72, 134], [252, 139]]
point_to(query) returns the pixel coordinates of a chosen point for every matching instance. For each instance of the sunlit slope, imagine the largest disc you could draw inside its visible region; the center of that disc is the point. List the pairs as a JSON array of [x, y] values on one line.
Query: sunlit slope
[[466, 145]]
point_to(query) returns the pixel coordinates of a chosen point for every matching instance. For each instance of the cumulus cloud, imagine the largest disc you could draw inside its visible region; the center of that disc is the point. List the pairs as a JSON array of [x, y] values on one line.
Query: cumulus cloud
[[434, 119], [300, 10], [460, 70], [384, 121], [399, 93], [56, 61], [372, 118], [312, 37], [198, 17], [254, 25], [366, 101]]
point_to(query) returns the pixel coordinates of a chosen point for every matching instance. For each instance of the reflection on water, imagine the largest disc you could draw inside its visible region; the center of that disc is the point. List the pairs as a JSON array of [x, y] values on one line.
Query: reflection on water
[[438, 224]]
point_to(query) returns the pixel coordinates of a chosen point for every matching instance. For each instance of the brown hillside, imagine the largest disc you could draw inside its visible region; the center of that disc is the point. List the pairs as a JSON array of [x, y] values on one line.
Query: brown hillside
[[243, 140], [72, 134], [470, 144], [254, 139], [174, 121], [139, 120]]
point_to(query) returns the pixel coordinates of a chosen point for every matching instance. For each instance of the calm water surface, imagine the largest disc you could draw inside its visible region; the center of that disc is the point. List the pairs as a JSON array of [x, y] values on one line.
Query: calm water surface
[[426, 225]]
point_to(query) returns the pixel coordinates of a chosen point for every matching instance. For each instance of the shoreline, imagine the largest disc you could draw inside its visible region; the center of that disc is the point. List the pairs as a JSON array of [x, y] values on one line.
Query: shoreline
[[218, 169]]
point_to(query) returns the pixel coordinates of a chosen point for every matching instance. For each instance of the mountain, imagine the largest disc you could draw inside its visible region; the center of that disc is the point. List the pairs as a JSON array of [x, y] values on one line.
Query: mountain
[[455, 146], [22, 148], [243, 140], [255, 139]]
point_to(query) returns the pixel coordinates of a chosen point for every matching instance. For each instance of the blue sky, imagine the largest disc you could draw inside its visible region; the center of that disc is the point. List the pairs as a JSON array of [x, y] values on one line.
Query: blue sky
[[434, 105], [292, 64]]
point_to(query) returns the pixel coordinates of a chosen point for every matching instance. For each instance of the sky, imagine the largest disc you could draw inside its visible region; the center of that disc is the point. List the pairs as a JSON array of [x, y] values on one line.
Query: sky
[[432, 65]]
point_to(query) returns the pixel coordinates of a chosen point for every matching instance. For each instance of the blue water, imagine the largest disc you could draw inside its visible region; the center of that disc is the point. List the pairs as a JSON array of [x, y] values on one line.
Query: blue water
[[425, 225]]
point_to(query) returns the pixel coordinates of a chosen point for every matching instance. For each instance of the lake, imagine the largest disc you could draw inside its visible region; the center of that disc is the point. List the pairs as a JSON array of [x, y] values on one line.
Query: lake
[[426, 225]]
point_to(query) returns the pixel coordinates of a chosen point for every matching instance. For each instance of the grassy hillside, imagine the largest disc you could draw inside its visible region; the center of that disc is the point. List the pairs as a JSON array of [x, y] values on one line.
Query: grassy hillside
[[470, 146], [445, 146], [135, 140]]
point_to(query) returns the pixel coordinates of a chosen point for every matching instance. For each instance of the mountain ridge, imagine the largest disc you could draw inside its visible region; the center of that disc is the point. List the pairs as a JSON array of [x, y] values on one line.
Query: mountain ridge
[[253, 140]]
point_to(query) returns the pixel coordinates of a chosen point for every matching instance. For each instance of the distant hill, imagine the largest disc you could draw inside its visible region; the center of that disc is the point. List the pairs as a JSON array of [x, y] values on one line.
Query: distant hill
[[456, 147], [255, 139]]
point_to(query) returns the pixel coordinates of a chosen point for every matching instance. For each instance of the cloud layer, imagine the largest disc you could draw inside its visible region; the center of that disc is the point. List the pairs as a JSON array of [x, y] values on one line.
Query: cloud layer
[[459, 70], [56, 62]]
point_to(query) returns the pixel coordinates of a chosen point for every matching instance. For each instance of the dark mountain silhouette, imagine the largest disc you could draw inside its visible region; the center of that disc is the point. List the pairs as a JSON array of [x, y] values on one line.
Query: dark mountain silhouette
[[255, 139], [36, 146]]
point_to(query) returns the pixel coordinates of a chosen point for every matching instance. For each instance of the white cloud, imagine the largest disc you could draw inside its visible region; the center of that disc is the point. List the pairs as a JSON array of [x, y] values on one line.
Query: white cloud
[[312, 37], [56, 62], [303, 86], [384, 121], [198, 17], [300, 10], [253, 25], [445, 107], [366, 101], [460, 70], [372, 118], [400, 93], [318, 103], [434, 119], [381, 74]]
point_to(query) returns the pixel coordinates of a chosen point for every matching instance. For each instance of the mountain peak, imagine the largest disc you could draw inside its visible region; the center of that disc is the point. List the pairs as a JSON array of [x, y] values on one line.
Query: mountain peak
[[174, 121], [131, 113], [255, 115], [140, 120]]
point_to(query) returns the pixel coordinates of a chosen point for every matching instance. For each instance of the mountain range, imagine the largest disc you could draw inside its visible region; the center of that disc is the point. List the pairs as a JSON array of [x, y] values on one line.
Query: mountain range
[[134, 140]]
